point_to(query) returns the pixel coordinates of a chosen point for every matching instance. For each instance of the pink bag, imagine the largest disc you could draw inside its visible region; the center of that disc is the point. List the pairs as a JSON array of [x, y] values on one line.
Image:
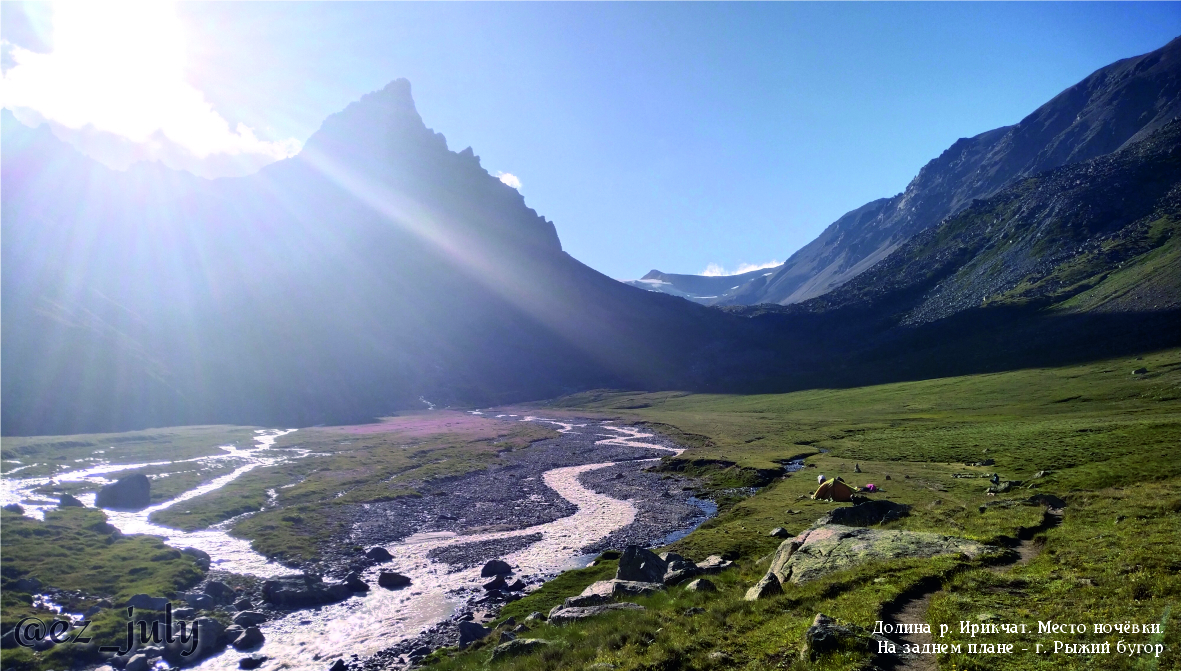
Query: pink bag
[[870, 487]]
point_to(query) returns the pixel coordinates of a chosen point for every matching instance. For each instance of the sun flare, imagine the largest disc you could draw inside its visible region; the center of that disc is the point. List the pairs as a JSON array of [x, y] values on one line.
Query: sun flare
[[119, 68]]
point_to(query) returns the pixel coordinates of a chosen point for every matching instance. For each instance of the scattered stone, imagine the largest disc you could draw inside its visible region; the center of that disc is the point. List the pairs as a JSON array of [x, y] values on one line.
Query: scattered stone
[[640, 565], [714, 564], [561, 615], [249, 618], [136, 663], [250, 638], [516, 586], [768, 585], [68, 501], [886, 477], [219, 591], [303, 591], [520, 628], [779, 532], [690, 612], [1140, 371], [338, 665], [355, 584], [678, 568], [495, 567], [701, 585], [243, 604], [857, 468], [516, 647], [197, 600], [132, 492], [147, 602], [865, 514], [506, 636], [498, 583], [827, 548], [202, 557], [379, 554], [253, 661], [232, 632], [470, 632], [535, 616], [829, 635], [184, 613], [210, 639]]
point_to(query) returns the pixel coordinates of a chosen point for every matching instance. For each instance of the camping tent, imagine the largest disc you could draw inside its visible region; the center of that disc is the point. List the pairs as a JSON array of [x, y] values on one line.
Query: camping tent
[[833, 490]]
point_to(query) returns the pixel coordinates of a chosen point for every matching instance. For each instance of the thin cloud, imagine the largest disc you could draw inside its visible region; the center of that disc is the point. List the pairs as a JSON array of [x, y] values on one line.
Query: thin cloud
[[118, 69], [510, 179], [715, 270]]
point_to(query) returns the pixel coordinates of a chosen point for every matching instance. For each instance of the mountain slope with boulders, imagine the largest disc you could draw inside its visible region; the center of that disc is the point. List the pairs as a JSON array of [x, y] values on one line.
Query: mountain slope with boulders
[[1115, 106], [1062, 266]]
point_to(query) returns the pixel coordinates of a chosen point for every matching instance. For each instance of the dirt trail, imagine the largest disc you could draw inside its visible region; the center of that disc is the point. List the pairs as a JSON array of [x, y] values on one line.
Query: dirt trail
[[913, 609]]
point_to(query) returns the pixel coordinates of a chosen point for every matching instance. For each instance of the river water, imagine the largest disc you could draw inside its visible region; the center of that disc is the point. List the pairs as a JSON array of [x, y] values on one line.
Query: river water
[[365, 624]]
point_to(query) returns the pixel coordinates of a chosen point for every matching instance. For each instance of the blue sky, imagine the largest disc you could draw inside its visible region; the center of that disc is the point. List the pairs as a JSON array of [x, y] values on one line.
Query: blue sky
[[666, 135]]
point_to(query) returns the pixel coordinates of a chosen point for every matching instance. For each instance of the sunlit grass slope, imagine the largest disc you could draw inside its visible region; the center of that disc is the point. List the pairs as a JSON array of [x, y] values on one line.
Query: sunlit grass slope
[[1108, 439]]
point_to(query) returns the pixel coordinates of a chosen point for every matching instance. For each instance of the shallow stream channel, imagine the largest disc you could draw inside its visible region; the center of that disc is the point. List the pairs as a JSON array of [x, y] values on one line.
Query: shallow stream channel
[[549, 508]]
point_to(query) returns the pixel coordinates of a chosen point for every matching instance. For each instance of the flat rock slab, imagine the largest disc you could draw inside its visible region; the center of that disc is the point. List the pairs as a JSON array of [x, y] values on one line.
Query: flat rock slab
[[828, 548], [561, 615]]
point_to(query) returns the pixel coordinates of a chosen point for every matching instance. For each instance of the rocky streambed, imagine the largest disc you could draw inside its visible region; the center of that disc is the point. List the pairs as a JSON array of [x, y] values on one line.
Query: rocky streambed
[[542, 509]]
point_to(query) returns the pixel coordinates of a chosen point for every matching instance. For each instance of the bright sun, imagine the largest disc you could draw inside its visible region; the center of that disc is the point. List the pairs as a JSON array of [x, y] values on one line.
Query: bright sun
[[119, 67]]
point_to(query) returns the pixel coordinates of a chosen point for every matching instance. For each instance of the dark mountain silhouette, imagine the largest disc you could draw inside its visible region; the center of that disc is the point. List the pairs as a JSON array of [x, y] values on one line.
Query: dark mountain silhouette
[[378, 268], [1113, 107], [375, 267]]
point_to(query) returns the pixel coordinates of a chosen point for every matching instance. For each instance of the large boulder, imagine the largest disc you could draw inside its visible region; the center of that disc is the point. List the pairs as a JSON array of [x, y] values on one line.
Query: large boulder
[[303, 591], [640, 565], [354, 582], [379, 554], [392, 580], [865, 514], [518, 646], [132, 492], [249, 618], [251, 638], [714, 564], [210, 639], [69, 501], [470, 632], [498, 583], [495, 567], [605, 590], [562, 615], [197, 600], [677, 568], [701, 585], [825, 549], [768, 585], [219, 591]]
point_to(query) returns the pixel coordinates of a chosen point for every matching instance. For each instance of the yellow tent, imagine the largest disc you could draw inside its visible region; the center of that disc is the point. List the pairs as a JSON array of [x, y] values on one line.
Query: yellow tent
[[833, 490]]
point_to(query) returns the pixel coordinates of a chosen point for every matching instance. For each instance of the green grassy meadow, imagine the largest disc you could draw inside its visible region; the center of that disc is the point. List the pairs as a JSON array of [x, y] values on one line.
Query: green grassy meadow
[[1107, 441], [1100, 437]]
